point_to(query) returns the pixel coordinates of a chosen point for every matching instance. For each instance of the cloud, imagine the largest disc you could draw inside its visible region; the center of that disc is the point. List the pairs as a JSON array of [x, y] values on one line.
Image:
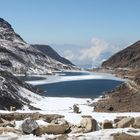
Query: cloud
[[94, 55], [98, 46]]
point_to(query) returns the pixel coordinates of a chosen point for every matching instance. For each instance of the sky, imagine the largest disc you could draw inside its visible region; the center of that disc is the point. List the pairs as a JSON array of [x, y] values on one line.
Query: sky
[[85, 31]]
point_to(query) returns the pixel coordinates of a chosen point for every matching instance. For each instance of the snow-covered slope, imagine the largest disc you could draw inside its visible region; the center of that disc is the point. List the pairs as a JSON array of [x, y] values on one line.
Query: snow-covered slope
[[19, 57], [16, 93]]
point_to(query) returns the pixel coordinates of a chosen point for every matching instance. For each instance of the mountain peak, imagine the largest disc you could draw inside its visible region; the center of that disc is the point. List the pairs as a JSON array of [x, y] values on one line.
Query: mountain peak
[[5, 25], [7, 32]]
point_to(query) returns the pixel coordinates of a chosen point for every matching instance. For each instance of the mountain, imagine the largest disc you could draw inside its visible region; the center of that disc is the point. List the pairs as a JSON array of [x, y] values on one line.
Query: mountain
[[7, 32], [126, 97], [17, 56], [16, 93], [46, 49], [127, 58]]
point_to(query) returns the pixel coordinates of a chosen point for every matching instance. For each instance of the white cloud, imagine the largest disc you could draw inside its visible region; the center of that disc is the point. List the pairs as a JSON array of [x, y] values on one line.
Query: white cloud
[[94, 52], [99, 51]]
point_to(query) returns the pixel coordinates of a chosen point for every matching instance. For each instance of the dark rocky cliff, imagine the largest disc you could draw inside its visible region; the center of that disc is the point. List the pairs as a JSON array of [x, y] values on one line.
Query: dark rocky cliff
[[52, 53]]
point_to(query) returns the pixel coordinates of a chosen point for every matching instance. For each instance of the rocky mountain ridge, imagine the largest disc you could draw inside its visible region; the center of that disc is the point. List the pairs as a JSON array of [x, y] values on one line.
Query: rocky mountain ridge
[[52, 53], [17, 56], [126, 97], [7, 32], [126, 58]]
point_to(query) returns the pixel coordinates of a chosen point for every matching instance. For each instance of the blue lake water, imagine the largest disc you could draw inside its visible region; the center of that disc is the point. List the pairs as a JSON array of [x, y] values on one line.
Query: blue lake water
[[88, 88], [83, 88]]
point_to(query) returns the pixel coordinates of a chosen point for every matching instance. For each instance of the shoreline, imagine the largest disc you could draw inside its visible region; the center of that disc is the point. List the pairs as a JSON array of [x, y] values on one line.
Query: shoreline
[[125, 97], [63, 78]]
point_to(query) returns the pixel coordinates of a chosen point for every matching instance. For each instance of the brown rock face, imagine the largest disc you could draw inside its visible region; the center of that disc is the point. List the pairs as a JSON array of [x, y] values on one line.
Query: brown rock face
[[129, 57]]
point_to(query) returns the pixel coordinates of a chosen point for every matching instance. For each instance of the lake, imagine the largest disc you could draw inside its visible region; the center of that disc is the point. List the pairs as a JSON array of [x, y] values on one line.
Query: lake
[[75, 84]]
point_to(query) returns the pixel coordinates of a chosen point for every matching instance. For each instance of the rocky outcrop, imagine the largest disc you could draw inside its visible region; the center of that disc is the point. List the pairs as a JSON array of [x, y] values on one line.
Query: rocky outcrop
[[127, 58]]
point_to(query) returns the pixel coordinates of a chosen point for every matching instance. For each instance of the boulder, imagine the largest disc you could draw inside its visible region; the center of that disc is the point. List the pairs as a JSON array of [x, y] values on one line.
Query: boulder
[[29, 125], [125, 122], [137, 122], [51, 129], [75, 109], [107, 124], [89, 124], [58, 126]]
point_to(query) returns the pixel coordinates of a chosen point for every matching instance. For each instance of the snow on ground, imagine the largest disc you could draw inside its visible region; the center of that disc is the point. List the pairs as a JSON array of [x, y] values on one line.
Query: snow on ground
[[64, 106]]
